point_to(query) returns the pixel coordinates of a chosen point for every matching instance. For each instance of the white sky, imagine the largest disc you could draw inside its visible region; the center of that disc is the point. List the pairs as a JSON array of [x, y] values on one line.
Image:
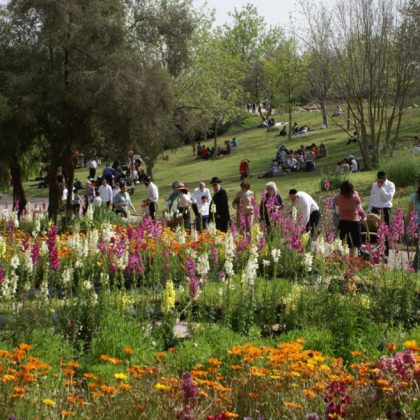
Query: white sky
[[275, 12]]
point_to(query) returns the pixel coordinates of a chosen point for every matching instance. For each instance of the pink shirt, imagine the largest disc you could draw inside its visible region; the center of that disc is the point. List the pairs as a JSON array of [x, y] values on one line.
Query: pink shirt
[[348, 207]]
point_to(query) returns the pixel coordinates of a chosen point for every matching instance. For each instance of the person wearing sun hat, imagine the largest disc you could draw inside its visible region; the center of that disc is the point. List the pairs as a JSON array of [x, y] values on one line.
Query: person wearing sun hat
[[219, 206], [184, 204]]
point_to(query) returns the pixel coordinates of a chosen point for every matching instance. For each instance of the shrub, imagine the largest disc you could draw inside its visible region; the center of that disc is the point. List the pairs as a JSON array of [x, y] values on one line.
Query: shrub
[[402, 175]]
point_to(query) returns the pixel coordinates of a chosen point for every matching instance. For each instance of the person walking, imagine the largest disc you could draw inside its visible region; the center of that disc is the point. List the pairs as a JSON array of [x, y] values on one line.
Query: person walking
[[270, 203], [243, 203], [184, 204], [92, 165], [105, 192], [307, 209], [197, 200], [152, 196], [380, 201], [349, 209], [122, 201], [219, 207]]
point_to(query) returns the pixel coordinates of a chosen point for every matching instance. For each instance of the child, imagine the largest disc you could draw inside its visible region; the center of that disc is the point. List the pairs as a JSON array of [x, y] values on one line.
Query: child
[[204, 209]]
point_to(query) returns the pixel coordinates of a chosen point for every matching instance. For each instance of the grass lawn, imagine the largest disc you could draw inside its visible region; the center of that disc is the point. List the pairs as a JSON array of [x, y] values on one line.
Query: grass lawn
[[260, 146]]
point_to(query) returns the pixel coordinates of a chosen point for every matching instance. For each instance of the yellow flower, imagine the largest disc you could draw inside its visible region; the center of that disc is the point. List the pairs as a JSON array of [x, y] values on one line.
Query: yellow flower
[[48, 402], [120, 376], [162, 387], [411, 345], [168, 298]]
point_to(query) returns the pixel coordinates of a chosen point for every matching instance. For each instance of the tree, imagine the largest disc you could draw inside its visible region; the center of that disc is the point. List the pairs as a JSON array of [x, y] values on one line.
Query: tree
[[319, 47], [284, 73], [368, 76]]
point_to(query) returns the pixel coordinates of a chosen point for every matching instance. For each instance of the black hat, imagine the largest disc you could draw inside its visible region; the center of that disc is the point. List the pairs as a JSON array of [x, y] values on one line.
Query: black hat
[[215, 180]]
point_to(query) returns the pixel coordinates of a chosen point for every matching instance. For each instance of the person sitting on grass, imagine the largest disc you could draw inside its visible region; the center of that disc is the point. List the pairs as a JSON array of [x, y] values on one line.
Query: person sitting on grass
[[353, 139]]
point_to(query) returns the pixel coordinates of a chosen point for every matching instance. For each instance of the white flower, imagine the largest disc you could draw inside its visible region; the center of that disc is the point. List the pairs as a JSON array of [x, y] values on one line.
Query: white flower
[[94, 299], [89, 213], [212, 229], [213, 208], [87, 285], [203, 265], [229, 268], [66, 276], [275, 255], [28, 264], [14, 262], [44, 248], [194, 235], [266, 263], [43, 288], [307, 261], [180, 235], [220, 291]]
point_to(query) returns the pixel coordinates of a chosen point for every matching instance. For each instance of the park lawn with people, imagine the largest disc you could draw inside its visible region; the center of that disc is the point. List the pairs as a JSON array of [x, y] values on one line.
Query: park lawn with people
[[260, 146]]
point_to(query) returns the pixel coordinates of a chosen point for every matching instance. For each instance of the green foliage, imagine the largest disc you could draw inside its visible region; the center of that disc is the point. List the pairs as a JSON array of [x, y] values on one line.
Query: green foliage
[[403, 175]]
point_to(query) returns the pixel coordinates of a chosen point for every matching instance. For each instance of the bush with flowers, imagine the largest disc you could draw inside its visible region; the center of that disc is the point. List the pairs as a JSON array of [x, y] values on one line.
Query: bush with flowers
[[101, 285]]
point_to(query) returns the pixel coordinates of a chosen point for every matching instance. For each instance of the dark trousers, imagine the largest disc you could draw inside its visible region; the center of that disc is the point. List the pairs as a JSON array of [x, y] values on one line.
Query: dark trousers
[[204, 222], [197, 221], [186, 217], [92, 173], [313, 222], [385, 213], [152, 209]]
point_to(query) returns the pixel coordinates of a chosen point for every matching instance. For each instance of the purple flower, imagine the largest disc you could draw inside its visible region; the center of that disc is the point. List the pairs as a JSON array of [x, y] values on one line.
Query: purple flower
[[189, 388], [190, 267], [194, 286], [312, 416], [413, 232], [1, 275], [327, 184], [214, 256], [222, 275], [35, 254], [52, 247], [398, 225]]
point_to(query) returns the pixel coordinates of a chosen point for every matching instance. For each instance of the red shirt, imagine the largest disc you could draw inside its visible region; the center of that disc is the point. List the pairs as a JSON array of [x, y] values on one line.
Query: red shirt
[[348, 207]]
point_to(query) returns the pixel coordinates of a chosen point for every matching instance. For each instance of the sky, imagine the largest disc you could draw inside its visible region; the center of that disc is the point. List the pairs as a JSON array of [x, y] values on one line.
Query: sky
[[275, 12]]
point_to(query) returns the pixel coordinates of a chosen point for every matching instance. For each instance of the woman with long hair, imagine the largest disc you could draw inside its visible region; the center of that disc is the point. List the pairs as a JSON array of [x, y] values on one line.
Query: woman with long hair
[[348, 207]]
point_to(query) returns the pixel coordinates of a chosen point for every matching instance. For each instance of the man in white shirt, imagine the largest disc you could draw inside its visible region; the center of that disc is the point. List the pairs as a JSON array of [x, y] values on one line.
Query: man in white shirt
[[196, 202], [92, 165], [307, 209], [354, 166], [380, 201], [152, 196], [105, 192]]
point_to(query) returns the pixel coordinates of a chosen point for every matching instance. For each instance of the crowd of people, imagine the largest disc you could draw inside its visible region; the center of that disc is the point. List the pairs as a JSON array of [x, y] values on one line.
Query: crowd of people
[[201, 151], [303, 159], [349, 164]]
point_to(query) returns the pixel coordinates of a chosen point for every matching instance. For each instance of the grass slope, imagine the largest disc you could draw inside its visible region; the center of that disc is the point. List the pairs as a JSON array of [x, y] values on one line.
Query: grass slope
[[260, 146]]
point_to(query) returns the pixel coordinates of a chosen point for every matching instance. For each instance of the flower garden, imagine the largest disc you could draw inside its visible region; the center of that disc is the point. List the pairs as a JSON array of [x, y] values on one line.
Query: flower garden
[[104, 318]]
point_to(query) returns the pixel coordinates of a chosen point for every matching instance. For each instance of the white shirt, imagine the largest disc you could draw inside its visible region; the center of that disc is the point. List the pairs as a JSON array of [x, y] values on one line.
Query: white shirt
[[354, 166], [184, 200], [105, 192], [197, 194], [382, 197], [305, 206], [93, 164], [152, 193], [204, 208]]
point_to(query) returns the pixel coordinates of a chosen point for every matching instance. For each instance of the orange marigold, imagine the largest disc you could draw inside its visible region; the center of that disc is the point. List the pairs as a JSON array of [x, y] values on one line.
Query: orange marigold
[[292, 405], [391, 346], [24, 347], [128, 351]]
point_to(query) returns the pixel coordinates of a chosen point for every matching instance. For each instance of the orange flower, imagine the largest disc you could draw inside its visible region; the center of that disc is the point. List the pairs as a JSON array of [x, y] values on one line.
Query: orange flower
[[253, 394], [309, 393], [25, 347], [411, 345], [68, 372], [108, 389], [214, 361], [125, 386], [292, 405], [236, 367], [19, 389], [73, 365], [128, 351], [90, 376], [230, 415], [391, 346], [66, 413], [356, 353]]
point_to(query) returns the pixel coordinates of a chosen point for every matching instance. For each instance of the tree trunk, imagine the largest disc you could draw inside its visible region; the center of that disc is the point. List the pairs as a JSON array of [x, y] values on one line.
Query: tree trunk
[[216, 125], [53, 192], [19, 197], [348, 118], [149, 166], [289, 136], [324, 113]]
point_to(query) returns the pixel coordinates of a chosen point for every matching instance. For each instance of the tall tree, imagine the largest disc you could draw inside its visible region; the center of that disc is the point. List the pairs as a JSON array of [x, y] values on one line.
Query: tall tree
[[284, 72]]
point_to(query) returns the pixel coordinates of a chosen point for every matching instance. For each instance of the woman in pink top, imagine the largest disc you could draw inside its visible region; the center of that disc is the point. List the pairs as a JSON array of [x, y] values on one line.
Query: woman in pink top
[[348, 207]]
